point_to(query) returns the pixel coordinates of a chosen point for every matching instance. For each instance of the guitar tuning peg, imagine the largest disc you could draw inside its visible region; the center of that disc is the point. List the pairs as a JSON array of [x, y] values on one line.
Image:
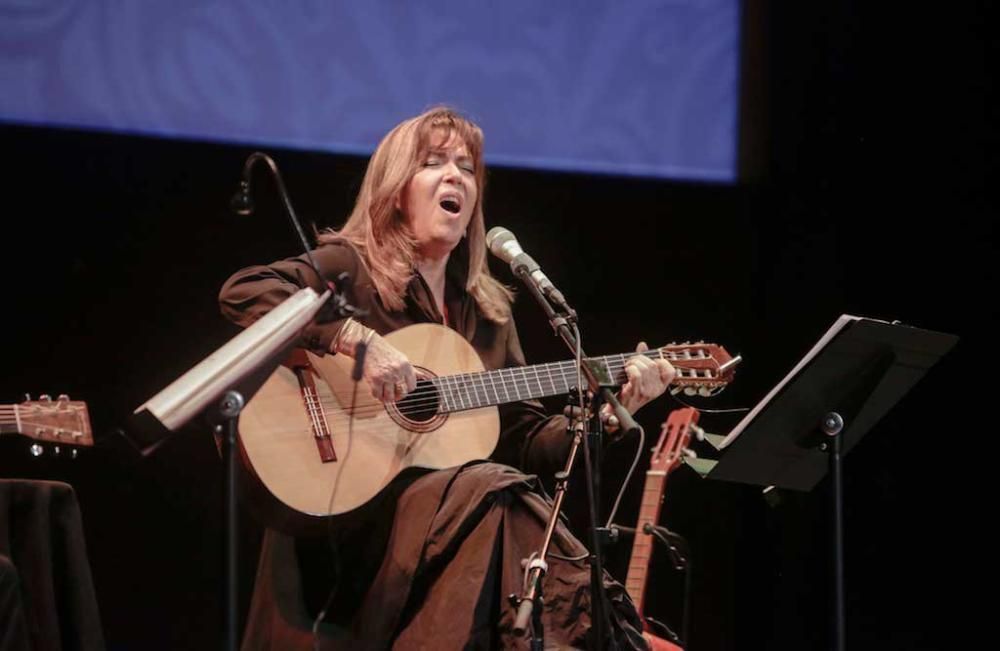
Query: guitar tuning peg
[[675, 390], [62, 397], [56, 450], [705, 391], [36, 450], [73, 453], [690, 391], [45, 397], [27, 397]]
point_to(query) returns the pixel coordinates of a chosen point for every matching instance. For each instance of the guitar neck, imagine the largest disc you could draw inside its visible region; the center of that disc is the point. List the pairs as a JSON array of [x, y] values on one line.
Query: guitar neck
[[490, 388], [642, 546], [54, 421]]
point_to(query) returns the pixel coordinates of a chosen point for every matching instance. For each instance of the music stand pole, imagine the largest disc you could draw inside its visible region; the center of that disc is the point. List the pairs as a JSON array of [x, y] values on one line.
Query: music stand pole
[[230, 408], [236, 369], [832, 426]]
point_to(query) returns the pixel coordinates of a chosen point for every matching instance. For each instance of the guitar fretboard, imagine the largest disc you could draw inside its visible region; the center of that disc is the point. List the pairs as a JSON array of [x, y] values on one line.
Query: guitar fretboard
[[488, 388], [642, 547]]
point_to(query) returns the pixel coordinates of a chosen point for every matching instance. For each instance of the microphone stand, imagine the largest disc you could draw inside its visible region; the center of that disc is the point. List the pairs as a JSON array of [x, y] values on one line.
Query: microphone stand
[[529, 605]]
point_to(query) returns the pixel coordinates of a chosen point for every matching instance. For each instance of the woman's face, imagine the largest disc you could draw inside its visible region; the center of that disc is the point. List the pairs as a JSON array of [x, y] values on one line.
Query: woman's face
[[438, 201]]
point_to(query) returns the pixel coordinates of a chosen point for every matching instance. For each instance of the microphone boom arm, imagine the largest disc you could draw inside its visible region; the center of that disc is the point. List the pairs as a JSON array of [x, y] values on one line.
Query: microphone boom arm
[[242, 204]]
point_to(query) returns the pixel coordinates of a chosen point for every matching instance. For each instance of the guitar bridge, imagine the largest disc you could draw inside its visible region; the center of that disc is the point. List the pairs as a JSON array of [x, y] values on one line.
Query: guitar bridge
[[299, 364]]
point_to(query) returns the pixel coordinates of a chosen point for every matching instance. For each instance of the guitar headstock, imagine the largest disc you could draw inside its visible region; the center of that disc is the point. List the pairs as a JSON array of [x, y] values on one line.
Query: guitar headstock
[[675, 435], [61, 420], [702, 369]]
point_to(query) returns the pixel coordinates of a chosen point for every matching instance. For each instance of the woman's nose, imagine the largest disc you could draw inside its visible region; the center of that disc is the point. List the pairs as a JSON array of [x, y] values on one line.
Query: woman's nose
[[452, 173]]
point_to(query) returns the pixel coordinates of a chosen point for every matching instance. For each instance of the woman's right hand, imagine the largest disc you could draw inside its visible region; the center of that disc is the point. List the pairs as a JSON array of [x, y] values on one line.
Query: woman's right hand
[[388, 371]]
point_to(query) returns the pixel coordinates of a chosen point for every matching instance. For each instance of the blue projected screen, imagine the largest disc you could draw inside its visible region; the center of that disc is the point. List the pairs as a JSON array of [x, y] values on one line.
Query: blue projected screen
[[635, 87]]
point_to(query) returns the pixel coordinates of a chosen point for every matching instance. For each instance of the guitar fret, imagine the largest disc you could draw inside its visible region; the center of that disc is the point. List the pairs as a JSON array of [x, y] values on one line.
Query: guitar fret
[[503, 385], [569, 373], [470, 383], [456, 392], [495, 399], [516, 383], [463, 386], [505, 382], [552, 383], [442, 397], [563, 375], [519, 383], [481, 394], [441, 384], [541, 391], [527, 383], [496, 395]]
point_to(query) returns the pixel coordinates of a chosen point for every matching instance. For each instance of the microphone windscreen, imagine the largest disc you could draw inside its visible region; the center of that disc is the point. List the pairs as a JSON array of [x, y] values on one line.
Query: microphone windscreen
[[496, 240]]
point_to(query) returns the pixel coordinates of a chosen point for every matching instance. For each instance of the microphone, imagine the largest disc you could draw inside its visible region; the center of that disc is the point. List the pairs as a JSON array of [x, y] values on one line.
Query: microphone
[[358, 370], [241, 203], [502, 243]]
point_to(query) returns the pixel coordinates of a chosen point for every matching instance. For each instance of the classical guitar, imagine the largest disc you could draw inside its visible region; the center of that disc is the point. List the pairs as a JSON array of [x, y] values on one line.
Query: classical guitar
[[667, 455], [295, 432], [61, 421]]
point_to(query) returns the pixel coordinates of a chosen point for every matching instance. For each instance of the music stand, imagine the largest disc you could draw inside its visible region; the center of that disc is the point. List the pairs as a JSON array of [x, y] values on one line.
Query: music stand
[[233, 374], [856, 372]]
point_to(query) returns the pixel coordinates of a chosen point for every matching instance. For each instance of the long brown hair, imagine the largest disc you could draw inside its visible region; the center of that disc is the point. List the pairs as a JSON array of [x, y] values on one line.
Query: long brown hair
[[380, 232]]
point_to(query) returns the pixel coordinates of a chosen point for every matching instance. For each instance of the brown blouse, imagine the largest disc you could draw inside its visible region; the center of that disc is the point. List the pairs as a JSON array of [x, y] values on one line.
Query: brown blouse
[[528, 440]]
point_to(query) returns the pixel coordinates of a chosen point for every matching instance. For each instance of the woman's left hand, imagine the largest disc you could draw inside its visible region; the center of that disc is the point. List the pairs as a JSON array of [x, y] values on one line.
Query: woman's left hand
[[647, 380]]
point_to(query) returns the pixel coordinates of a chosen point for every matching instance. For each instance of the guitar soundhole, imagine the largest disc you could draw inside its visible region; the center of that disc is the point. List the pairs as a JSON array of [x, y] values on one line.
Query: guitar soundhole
[[421, 404], [418, 411]]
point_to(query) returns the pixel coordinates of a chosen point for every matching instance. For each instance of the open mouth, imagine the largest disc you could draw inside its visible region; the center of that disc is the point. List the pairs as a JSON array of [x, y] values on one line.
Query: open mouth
[[451, 205]]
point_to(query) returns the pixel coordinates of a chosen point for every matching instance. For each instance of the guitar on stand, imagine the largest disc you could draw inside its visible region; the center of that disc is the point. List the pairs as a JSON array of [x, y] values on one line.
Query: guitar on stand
[[675, 436], [61, 422]]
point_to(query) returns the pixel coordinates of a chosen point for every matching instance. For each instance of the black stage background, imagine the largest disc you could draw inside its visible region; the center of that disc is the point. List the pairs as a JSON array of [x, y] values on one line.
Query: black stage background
[[867, 151]]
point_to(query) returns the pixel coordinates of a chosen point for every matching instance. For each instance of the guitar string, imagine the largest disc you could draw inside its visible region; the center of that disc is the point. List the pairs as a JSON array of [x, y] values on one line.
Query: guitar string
[[340, 415], [413, 408], [518, 376], [454, 386], [462, 390]]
